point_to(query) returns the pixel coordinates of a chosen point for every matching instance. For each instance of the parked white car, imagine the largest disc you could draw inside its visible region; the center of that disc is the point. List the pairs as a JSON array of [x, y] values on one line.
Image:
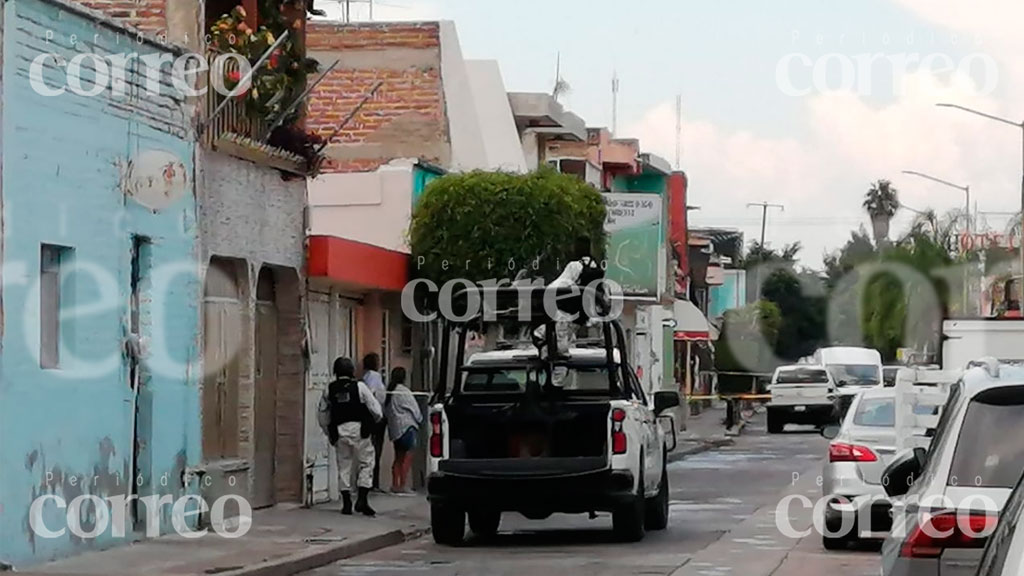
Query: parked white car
[[957, 487], [801, 394]]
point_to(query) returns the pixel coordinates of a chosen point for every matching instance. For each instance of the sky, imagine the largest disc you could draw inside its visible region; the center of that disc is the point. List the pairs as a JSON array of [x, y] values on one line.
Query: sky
[[801, 103]]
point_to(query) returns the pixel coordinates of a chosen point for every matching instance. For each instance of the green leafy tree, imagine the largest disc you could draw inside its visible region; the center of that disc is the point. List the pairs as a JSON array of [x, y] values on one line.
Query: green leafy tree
[[889, 298], [748, 337], [881, 202], [799, 295], [489, 225], [801, 302]]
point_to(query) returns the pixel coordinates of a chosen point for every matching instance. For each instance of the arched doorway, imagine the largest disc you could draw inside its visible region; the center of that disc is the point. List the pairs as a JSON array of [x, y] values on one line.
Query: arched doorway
[[222, 346], [266, 384]]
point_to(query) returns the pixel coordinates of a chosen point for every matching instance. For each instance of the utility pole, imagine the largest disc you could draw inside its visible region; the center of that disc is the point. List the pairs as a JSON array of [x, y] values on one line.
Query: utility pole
[[615, 102], [764, 206]]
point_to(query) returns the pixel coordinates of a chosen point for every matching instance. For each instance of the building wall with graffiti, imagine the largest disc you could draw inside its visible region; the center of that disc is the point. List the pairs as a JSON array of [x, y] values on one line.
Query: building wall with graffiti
[[100, 343]]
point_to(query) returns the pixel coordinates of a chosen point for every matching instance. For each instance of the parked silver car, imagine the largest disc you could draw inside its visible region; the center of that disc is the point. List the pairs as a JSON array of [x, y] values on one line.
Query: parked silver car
[[857, 506], [957, 488]]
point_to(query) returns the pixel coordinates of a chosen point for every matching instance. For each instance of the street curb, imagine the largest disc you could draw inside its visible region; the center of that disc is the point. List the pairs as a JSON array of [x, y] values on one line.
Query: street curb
[[324, 555]]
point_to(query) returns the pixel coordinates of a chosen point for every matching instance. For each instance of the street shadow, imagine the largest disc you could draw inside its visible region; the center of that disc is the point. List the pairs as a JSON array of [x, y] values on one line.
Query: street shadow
[[557, 538], [577, 537]]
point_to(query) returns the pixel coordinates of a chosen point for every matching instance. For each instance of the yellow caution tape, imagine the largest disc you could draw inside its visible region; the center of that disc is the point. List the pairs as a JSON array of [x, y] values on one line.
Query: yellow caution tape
[[730, 397]]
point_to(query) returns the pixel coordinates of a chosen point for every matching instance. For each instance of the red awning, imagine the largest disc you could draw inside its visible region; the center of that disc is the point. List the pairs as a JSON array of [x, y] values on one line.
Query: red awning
[[357, 265]]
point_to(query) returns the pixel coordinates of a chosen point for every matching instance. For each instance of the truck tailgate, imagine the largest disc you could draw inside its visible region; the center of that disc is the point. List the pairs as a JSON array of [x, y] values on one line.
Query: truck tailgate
[[523, 467]]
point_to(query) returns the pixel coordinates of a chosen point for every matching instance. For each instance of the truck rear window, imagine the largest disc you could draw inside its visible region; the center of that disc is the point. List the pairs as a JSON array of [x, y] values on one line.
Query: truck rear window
[[802, 376], [575, 379]]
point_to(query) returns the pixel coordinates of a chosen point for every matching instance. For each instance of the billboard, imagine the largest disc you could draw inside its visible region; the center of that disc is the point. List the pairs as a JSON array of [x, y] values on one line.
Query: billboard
[[636, 234]]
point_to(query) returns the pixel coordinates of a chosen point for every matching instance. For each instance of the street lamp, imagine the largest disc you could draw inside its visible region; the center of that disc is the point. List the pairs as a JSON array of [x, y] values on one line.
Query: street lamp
[[1019, 125], [965, 189]]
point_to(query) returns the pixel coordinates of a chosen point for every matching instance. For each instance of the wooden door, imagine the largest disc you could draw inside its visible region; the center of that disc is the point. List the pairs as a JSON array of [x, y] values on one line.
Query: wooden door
[[265, 404]]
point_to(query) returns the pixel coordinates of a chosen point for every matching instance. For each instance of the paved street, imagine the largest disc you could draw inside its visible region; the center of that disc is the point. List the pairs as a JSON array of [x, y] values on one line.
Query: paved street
[[722, 505]]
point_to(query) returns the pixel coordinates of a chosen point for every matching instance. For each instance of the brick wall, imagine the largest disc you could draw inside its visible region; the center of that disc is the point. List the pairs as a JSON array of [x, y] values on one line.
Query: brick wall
[[146, 15], [372, 36], [406, 117]]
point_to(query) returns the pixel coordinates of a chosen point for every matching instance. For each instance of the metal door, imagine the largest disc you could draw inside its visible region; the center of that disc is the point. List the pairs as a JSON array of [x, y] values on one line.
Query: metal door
[[331, 335], [265, 419]]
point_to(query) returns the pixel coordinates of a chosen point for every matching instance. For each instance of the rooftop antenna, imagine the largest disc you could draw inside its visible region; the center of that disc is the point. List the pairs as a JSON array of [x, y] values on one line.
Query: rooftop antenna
[[679, 129], [561, 86], [615, 102]]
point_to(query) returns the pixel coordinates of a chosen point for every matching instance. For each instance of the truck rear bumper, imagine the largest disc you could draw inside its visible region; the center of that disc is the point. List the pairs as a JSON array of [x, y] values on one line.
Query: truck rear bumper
[[804, 413], [575, 490]]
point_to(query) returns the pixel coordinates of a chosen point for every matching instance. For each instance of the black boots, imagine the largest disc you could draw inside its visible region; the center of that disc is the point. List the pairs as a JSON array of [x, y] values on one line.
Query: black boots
[[363, 504], [346, 506]]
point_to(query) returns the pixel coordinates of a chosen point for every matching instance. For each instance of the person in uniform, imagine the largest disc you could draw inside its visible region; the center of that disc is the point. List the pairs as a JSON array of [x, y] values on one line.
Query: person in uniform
[[348, 413]]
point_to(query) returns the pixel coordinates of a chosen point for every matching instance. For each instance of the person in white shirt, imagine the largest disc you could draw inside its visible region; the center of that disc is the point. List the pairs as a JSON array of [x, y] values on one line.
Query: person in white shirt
[[375, 382]]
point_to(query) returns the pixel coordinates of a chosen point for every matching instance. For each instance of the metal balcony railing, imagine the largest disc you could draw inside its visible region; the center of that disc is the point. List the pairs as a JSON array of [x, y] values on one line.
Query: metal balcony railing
[[235, 119]]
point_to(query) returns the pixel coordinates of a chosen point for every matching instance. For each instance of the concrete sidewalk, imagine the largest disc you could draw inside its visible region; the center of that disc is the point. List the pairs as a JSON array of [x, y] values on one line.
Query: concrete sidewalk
[[282, 541]]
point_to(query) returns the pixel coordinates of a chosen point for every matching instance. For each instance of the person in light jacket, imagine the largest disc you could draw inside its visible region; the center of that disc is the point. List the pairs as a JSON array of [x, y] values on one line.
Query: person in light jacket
[[403, 417]]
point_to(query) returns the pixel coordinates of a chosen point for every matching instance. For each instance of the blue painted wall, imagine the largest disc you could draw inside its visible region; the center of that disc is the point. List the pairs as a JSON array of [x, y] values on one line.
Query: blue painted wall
[[421, 177], [729, 295], [68, 432]]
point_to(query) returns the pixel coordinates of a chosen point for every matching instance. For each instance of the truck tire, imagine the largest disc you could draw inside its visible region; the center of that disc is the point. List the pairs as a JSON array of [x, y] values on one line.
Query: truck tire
[[448, 524], [775, 422], [832, 544], [656, 515], [628, 520], [484, 523]]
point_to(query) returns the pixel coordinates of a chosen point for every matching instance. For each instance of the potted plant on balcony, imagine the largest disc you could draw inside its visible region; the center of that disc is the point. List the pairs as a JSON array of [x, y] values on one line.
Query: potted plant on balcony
[[278, 82]]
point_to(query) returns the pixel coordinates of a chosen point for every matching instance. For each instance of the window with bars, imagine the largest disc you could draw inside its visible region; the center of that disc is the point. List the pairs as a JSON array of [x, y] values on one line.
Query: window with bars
[[53, 263]]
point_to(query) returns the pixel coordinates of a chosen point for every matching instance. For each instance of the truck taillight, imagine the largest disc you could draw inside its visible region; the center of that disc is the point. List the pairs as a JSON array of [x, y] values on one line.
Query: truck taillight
[[619, 444], [436, 435], [839, 452], [948, 530]]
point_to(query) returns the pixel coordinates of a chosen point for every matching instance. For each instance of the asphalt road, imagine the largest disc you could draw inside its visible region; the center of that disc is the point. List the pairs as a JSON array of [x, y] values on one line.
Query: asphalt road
[[720, 500]]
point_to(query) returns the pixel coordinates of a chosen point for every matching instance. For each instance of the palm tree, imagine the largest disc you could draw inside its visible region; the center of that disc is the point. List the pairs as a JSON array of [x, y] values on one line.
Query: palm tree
[[941, 230], [882, 201]]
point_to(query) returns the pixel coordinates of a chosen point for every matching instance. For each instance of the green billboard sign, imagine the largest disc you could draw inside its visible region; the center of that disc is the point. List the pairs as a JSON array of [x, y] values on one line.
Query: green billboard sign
[[635, 239]]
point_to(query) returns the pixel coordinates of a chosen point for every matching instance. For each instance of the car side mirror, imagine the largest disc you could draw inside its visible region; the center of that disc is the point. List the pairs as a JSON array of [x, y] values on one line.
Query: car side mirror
[[666, 400], [830, 432], [904, 470]]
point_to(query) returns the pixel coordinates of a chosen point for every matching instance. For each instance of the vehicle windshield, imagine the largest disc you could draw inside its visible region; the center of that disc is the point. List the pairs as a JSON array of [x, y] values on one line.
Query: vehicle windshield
[[876, 413], [506, 380], [854, 374], [802, 376], [989, 453]]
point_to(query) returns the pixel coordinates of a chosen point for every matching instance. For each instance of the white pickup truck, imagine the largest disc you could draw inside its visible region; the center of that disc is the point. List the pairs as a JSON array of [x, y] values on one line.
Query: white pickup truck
[[539, 432], [801, 394]]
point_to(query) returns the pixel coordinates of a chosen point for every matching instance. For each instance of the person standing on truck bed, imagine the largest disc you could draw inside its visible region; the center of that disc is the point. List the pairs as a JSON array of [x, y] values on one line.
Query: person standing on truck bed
[[348, 413]]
